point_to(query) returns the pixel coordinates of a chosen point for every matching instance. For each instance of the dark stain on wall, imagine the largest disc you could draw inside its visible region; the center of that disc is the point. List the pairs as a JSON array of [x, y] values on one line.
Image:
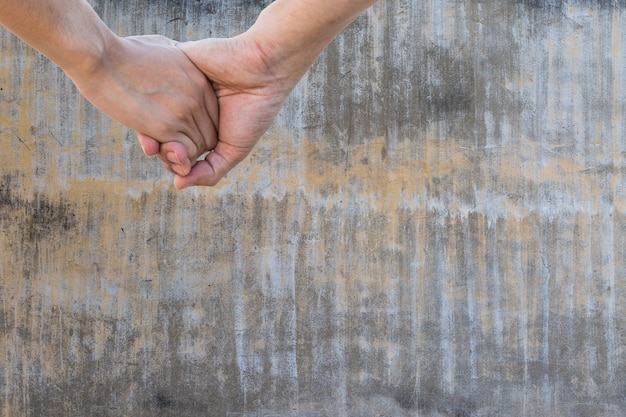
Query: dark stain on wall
[[447, 85], [38, 217], [557, 4]]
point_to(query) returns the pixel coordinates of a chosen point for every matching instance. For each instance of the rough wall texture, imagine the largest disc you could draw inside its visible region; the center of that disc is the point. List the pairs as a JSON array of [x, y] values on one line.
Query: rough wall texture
[[434, 227]]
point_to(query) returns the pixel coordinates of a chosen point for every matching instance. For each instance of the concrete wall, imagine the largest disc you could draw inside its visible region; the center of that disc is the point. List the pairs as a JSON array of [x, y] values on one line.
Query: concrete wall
[[435, 226]]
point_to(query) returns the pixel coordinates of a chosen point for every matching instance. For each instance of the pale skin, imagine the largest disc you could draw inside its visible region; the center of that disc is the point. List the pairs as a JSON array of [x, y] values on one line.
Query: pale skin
[[254, 73], [144, 82]]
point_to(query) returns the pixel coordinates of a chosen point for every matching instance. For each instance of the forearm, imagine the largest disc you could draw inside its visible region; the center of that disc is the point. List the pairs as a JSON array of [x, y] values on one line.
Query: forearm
[[145, 82], [68, 32], [292, 33]]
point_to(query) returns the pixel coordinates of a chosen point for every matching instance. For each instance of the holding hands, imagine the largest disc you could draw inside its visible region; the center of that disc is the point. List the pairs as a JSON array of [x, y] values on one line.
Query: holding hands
[[214, 97], [149, 85], [250, 95], [253, 74]]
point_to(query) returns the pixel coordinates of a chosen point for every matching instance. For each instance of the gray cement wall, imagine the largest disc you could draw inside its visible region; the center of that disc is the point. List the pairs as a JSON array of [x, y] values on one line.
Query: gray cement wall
[[434, 227]]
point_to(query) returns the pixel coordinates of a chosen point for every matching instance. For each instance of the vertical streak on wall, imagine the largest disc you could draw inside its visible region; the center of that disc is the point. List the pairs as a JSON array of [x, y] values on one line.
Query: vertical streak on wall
[[239, 311]]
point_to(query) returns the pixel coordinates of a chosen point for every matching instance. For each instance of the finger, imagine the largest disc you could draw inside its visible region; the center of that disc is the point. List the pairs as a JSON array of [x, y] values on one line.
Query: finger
[[202, 115], [176, 154], [172, 154], [214, 167], [199, 175], [207, 120], [212, 106], [149, 145], [168, 166], [208, 129]]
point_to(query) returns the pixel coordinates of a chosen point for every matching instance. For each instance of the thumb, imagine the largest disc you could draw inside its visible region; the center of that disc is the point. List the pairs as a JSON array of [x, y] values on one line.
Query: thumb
[[214, 167], [206, 54]]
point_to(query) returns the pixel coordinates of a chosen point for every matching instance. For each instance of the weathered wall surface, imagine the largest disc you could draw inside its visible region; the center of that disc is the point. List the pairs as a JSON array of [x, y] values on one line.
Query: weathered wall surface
[[434, 227]]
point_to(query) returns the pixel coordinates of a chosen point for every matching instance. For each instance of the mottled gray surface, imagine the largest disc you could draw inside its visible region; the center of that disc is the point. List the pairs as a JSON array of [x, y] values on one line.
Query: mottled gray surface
[[434, 227]]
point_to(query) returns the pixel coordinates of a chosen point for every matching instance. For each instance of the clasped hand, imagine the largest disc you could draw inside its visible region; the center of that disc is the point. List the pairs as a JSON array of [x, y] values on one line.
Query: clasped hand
[[179, 115], [184, 100], [187, 99]]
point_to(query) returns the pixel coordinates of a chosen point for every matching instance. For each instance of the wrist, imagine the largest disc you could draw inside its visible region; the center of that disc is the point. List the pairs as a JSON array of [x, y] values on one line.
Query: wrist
[[291, 34], [85, 59], [281, 58]]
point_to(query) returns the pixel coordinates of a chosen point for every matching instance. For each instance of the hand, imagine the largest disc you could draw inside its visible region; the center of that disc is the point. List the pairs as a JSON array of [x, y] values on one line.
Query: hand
[[149, 85], [254, 73], [249, 94]]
